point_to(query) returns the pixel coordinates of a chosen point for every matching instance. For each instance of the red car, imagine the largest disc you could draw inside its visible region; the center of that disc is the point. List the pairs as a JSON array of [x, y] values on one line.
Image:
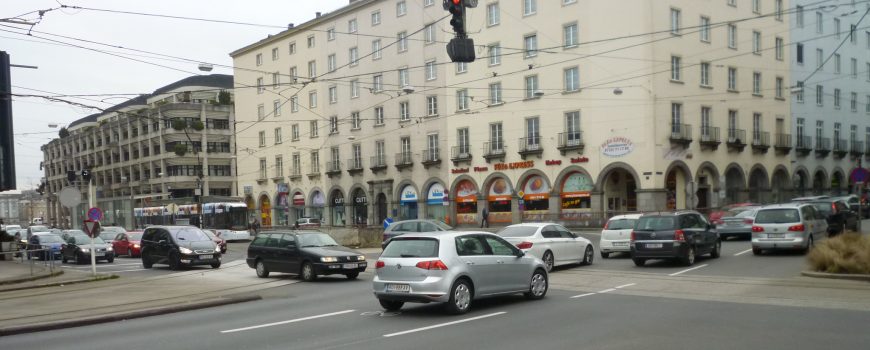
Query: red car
[[128, 243], [217, 240], [716, 216]]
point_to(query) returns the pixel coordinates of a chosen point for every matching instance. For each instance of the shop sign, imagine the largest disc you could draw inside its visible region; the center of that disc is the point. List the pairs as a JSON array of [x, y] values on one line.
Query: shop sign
[[536, 189], [338, 201], [409, 194], [282, 200], [360, 200], [617, 147], [553, 162], [436, 194], [283, 188], [579, 160], [479, 169], [459, 171], [500, 191], [317, 200], [249, 189], [515, 165], [466, 192], [298, 199]]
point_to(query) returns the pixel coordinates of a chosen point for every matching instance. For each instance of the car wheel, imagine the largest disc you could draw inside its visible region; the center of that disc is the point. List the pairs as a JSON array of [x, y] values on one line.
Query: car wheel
[[809, 246], [174, 261], [146, 260], [110, 259], [460, 297], [262, 271], [130, 252], [717, 250], [605, 255], [638, 261], [689, 259], [390, 305], [538, 286], [549, 261], [756, 251], [308, 274], [588, 256], [352, 275], [216, 265]]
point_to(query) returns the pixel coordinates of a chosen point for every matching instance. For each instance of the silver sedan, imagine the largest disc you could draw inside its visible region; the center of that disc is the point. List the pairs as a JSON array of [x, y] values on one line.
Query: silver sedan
[[454, 268]]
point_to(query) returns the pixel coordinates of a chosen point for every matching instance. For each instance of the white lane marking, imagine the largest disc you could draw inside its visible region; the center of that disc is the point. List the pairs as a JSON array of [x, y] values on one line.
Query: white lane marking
[[128, 270], [443, 324], [286, 322], [743, 252], [624, 286], [607, 290], [582, 295], [687, 270]]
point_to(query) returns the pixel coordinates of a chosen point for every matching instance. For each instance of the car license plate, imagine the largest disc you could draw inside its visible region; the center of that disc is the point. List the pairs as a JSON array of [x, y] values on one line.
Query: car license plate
[[620, 244], [653, 245], [100, 254], [401, 288], [204, 257], [776, 235], [349, 266]]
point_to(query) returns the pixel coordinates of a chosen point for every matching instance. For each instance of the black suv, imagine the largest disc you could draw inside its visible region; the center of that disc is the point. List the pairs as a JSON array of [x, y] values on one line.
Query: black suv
[[838, 215], [178, 246], [681, 235]]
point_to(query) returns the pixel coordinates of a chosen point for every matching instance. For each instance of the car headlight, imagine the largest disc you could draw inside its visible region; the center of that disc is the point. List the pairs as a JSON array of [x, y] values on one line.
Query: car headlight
[[85, 250], [109, 248], [136, 246], [329, 259], [361, 258], [184, 250]]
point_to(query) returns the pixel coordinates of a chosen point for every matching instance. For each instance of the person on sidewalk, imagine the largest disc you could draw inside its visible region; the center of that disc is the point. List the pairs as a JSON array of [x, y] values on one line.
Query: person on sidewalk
[[484, 220]]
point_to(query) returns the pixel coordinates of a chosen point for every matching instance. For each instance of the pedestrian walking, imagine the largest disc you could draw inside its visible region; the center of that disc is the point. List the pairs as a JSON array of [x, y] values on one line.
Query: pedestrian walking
[[484, 220]]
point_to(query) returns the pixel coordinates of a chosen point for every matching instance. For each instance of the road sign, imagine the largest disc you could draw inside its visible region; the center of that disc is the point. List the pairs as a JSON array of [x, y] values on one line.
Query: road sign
[[859, 175], [91, 228], [70, 197], [95, 214]]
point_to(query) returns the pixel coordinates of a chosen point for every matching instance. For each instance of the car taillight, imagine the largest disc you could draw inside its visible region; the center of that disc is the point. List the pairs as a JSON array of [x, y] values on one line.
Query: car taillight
[[748, 221], [524, 245], [679, 235], [632, 236], [606, 224], [798, 228], [834, 208], [432, 265], [379, 264], [757, 229]]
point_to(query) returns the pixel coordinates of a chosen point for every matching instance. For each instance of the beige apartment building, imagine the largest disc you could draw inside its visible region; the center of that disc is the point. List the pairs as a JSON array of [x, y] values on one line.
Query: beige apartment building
[[139, 155], [573, 110]]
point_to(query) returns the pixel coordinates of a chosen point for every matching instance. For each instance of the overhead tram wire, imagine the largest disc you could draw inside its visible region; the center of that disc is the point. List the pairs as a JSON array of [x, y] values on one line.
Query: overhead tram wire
[[847, 37]]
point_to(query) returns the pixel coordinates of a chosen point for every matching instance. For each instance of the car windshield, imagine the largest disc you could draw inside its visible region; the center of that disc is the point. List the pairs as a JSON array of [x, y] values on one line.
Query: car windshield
[[74, 232], [745, 214], [621, 224], [82, 239], [39, 229], [308, 221], [412, 247], [517, 231], [190, 234], [108, 236], [135, 236], [209, 234], [316, 240], [656, 223], [50, 239], [777, 216]]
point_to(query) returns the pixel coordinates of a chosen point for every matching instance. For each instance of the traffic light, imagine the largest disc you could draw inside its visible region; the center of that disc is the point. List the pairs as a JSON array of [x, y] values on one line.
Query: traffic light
[[457, 10], [86, 175], [460, 48]]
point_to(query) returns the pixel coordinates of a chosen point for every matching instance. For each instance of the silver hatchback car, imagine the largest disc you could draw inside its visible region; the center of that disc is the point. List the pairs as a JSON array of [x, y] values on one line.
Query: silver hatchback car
[[454, 268], [794, 226]]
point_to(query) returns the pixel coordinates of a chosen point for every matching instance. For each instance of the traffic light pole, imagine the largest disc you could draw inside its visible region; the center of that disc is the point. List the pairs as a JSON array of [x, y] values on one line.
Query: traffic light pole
[[91, 199]]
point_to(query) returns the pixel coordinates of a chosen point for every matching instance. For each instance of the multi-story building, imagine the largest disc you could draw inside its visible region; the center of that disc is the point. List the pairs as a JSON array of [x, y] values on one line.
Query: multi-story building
[[571, 110], [831, 104], [9, 207], [150, 148]]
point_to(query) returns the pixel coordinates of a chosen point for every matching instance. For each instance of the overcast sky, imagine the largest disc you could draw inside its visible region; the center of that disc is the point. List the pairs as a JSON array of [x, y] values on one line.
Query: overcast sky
[[75, 71]]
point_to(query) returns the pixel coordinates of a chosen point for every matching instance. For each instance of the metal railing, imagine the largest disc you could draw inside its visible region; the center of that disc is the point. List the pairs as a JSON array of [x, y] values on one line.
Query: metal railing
[[378, 161], [41, 256], [761, 138], [491, 149], [431, 155], [681, 132], [709, 134], [783, 140], [804, 142], [354, 164], [530, 144], [823, 144], [737, 136], [333, 166], [404, 159], [571, 139], [461, 153]]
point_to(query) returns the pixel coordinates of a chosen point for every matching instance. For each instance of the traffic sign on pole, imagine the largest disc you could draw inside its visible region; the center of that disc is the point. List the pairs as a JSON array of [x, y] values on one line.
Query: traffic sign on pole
[[95, 214], [91, 228]]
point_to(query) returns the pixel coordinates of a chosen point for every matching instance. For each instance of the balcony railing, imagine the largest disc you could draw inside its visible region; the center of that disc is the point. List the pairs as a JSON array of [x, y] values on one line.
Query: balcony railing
[[492, 150], [570, 141], [857, 149], [803, 144], [295, 174], [354, 166], [404, 160], [761, 141], [431, 157], [841, 147], [736, 139], [460, 154], [315, 170], [378, 163], [333, 168], [530, 145], [710, 137], [823, 146], [681, 134], [783, 143]]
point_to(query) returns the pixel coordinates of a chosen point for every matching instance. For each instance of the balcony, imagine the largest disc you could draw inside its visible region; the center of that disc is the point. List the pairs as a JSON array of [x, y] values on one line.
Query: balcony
[[803, 145], [823, 146], [460, 154], [857, 149], [571, 141], [355, 166], [295, 174], [278, 178], [761, 141], [315, 171], [681, 134], [530, 146], [493, 150], [736, 140], [782, 144], [333, 168], [404, 160], [378, 163], [841, 147], [710, 138], [431, 157], [260, 180]]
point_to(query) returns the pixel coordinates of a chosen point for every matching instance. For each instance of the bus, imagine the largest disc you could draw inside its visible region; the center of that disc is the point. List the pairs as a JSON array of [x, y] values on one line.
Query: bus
[[227, 219]]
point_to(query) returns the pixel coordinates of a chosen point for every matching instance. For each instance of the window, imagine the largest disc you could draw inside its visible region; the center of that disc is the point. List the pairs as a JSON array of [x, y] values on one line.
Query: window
[[676, 71], [310, 41], [380, 152], [315, 161], [492, 14], [376, 49], [837, 27], [837, 98], [676, 117], [263, 168], [401, 8], [756, 83], [799, 96], [294, 104], [402, 41], [276, 108], [291, 48], [351, 26], [312, 126], [756, 128], [820, 95], [405, 147], [312, 69], [853, 68], [462, 100], [261, 112], [495, 94], [572, 79], [376, 18], [837, 64], [799, 56], [572, 128], [496, 142], [331, 63], [820, 28], [259, 59], [462, 141], [820, 58], [533, 133], [293, 73], [262, 139], [429, 33], [705, 73], [756, 42], [432, 144], [378, 83], [779, 88], [276, 80], [530, 46], [777, 8], [296, 163], [354, 88], [853, 101], [333, 94], [867, 106], [355, 122], [330, 34], [312, 99], [431, 106], [570, 33], [279, 166], [379, 115], [353, 56], [800, 130], [531, 86], [431, 70], [732, 36], [756, 6], [853, 35], [530, 7], [404, 79], [494, 53], [275, 54], [461, 67], [820, 128], [675, 21], [779, 48], [356, 149], [732, 125], [704, 30], [333, 125], [428, 3], [404, 111], [260, 86], [799, 15], [294, 132], [867, 69]]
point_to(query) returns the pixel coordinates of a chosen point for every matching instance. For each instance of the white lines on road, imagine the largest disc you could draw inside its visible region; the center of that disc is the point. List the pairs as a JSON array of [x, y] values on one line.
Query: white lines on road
[[286, 322], [608, 290], [687, 270], [443, 324], [583, 295], [743, 252], [625, 285]]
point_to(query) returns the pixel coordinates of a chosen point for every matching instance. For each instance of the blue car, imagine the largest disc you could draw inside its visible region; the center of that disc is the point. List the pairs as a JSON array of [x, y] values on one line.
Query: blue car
[[51, 244]]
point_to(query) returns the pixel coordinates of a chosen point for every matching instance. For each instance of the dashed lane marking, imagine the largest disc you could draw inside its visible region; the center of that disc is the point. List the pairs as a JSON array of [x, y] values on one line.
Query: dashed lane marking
[[286, 322], [443, 324], [687, 270], [608, 290], [583, 295], [743, 252]]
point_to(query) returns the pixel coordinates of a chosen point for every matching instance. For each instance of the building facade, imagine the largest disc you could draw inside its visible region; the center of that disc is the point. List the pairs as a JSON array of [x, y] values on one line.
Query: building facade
[[148, 149], [573, 110], [9, 207]]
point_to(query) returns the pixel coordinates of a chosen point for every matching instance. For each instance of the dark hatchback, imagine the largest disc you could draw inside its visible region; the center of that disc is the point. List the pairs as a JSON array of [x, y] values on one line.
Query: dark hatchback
[[178, 246], [681, 235], [308, 254], [838, 215]]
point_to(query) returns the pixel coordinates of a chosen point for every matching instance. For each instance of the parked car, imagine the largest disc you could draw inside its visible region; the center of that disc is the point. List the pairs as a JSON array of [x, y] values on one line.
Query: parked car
[[837, 214], [554, 244], [36, 229], [108, 233], [616, 234], [399, 228], [222, 243], [178, 246], [50, 242], [128, 243], [8, 228], [787, 226], [307, 254], [66, 234], [681, 235], [737, 223], [716, 216], [809, 198], [855, 204], [304, 223], [455, 268], [78, 248]]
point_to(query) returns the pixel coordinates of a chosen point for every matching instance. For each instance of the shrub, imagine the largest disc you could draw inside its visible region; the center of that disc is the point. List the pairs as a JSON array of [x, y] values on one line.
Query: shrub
[[180, 149], [179, 124], [846, 253], [197, 125]]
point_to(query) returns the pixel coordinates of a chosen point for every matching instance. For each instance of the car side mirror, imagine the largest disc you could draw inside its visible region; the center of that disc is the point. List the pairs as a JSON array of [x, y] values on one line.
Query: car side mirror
[[520, 253]]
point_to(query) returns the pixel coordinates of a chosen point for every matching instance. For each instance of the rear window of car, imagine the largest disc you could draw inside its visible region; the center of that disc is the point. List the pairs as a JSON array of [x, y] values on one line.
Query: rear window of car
[[621, 224], [745, 214], [656, 223], [135, 236], [823, 207], [411, 248], [517, 231], [777, 216]]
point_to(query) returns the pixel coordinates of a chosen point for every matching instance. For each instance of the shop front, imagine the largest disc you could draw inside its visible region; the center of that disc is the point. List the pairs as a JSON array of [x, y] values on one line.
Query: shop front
[[535, 205], [466, 203], [317, 203], [252, 208], [576, 196], [282, 205], [338, 214], [298, 206], [499, 201], [408, 203], [436, 203], [360, 207], [265, 211]]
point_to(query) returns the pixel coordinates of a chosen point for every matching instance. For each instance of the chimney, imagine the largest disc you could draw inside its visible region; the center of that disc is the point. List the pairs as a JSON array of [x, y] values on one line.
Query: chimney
[[317, 15]]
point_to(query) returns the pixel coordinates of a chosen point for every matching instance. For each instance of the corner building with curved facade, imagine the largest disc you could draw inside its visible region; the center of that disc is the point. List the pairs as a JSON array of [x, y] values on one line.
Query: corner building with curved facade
[[572, 111]]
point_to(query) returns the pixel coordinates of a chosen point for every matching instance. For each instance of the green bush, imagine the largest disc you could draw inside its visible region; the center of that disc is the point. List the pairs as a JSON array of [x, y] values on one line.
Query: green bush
[[180, 149], [197, 125], [179, 124], [846, 253]]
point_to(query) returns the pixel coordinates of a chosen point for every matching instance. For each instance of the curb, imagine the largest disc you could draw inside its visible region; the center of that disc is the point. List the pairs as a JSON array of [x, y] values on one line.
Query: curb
[[163, 310], [62, 283], [839, 276], [31, 278]]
